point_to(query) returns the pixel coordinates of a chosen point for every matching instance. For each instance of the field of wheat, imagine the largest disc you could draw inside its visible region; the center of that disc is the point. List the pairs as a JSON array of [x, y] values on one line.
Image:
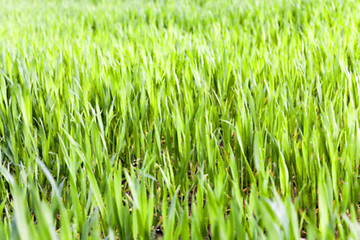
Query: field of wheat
[[189, 119]]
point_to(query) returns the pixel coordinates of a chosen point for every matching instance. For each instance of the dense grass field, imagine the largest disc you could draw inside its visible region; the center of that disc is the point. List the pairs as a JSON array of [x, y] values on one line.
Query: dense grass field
[[198, 119]]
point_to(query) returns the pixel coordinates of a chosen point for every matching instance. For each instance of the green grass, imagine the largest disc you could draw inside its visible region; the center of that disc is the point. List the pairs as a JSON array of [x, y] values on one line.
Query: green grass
[[192, 119]]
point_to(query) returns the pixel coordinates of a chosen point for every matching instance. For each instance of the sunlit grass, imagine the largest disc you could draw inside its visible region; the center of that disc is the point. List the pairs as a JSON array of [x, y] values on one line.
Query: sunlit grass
[[179, 119]]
